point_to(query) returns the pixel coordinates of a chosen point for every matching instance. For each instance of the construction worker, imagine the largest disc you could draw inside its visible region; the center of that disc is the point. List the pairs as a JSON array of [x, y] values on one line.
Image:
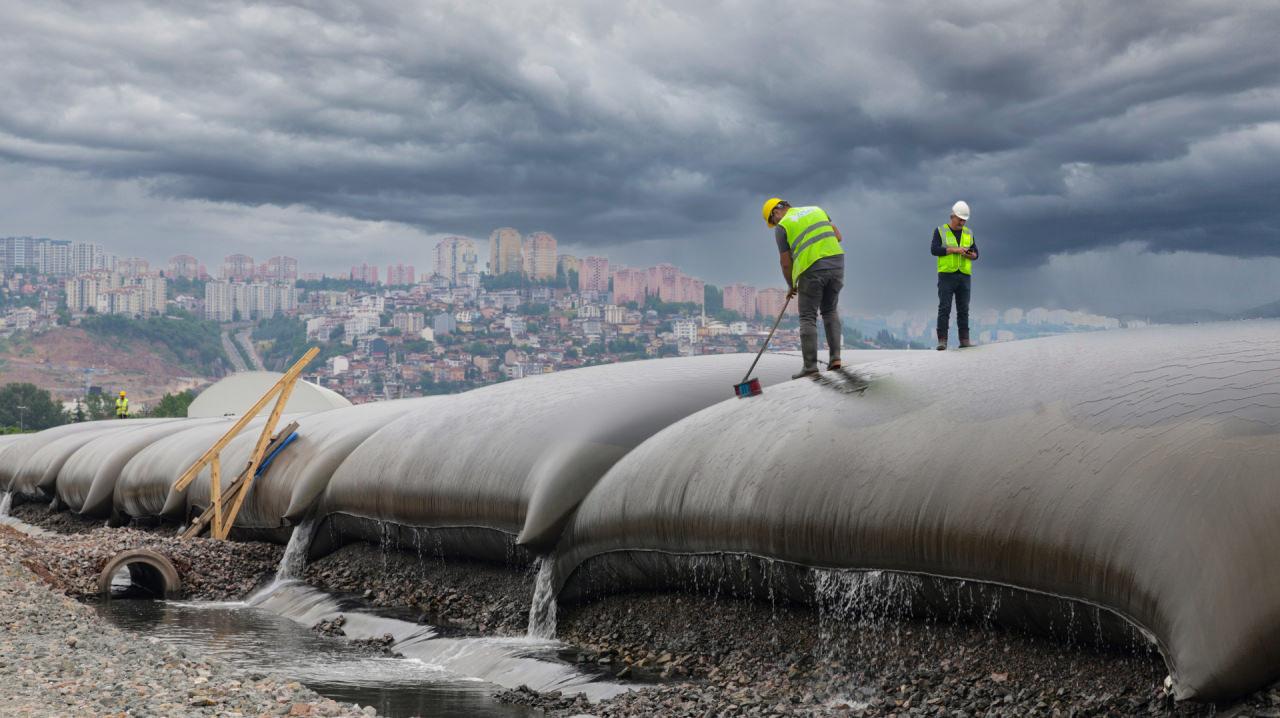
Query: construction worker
[[955, 249], [122, 406], [812, 263]]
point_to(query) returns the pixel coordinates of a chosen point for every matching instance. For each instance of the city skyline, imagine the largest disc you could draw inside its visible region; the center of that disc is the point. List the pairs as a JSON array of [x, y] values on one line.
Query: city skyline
[[1108, 153]]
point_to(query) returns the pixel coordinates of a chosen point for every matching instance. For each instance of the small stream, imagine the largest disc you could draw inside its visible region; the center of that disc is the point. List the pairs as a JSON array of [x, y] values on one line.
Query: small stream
[[439, 675]]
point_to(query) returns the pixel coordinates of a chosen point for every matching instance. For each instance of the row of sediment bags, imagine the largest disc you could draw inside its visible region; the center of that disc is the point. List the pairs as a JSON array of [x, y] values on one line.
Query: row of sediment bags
[[1127, 474]]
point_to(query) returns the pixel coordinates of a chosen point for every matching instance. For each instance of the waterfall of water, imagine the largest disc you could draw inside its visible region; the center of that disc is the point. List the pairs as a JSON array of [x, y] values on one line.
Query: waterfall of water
[[542, 611], [293, 560], [295, 554], [6, 503]]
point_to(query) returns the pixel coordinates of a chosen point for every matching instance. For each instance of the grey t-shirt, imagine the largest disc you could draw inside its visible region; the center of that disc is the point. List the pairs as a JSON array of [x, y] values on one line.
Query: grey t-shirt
[[784, 247]]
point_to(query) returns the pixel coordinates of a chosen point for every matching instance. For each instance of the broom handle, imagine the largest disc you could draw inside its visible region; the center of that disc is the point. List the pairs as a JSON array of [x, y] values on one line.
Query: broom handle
[[768, 339]]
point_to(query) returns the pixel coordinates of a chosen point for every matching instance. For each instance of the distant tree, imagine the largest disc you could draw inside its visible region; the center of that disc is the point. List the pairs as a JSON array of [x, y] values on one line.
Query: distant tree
[[100, 407], [173, 405], [78, 416], [714, 298], [40, 412]]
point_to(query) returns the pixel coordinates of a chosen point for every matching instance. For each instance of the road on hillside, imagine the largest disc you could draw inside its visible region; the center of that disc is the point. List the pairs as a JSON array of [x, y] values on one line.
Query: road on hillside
[[247, 342], [237, 362]]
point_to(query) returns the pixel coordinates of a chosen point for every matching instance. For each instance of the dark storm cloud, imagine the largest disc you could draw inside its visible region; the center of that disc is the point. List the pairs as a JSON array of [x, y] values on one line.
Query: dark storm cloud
[[1068, 126]]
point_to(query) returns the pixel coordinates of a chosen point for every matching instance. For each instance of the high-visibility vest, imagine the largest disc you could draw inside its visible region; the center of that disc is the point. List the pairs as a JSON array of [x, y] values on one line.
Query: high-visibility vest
[[949, 263], [811, 237], [122, 407]]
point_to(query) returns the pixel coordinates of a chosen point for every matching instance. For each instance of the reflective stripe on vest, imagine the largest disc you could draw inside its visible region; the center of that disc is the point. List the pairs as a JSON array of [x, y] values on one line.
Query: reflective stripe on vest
[[122, 406], [949, 263], [811, 237]]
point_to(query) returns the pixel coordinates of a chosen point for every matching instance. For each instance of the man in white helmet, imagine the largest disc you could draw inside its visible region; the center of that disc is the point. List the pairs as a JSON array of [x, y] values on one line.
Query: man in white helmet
[[955, 249]]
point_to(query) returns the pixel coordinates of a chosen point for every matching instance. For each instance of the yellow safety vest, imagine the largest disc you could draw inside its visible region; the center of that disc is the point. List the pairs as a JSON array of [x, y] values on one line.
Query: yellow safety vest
[[949, 263], [811, 237], [122, 407]]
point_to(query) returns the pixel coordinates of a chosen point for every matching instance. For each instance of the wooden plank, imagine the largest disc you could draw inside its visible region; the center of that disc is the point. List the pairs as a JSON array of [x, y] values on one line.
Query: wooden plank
[[205, 518], [215, 491], [259, 450], [289, 377]]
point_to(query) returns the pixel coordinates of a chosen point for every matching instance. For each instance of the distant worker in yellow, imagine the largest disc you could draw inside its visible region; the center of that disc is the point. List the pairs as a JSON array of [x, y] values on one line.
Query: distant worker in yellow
[[122, 406], [955, 249], [813, 265]]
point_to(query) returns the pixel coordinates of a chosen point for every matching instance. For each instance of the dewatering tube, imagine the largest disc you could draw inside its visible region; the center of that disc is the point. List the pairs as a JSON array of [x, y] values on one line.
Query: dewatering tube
[[266, 462]]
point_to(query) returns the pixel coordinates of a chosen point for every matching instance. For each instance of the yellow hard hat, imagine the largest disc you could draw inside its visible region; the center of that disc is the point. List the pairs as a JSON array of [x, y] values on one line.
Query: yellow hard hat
[[769, 204], [122, 393]]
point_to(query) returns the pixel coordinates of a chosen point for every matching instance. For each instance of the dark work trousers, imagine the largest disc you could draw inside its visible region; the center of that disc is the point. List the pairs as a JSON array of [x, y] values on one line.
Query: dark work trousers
[[819, 290], [953, 284]]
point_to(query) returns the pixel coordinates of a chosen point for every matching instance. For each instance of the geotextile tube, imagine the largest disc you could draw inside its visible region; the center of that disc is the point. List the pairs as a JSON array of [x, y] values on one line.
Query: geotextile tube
[[145, 485], [1132, 471], [508, 463], [286, 492], [35, 462], [86, 484]]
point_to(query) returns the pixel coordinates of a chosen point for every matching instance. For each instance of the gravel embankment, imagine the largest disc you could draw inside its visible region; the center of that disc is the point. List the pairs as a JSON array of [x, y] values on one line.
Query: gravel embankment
[[75, 554], [732, 657], [57, 658]]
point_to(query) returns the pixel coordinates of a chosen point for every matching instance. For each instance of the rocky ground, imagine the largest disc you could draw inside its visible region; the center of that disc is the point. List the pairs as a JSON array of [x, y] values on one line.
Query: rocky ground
[[57, 658], [691, 655], [73, 556]]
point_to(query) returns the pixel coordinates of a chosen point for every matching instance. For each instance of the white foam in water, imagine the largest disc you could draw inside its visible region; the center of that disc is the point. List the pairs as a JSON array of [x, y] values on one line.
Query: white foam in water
[[542, 610], [6, 503], [293, 560], [507, 662]]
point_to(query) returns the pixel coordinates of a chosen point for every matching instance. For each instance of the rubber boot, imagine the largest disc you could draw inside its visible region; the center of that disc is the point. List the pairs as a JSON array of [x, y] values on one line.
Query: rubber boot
[[942, 342], [809, 350]]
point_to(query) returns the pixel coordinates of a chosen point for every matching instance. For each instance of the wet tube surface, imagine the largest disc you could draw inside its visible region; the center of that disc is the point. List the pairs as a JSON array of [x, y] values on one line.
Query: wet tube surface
[[1134, 470], [517, 457]]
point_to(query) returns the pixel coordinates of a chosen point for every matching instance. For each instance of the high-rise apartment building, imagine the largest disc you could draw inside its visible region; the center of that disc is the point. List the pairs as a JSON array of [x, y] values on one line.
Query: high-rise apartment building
[[227, 301], [133, 267], [108, 292], [238, 268], [87, 257], [400, 274], [456, 256], [594, 275], [692, 290], [183, 266], [769, 302], [505, 251], [629, 285], [664, 282], [280, 269], [50, 257], [367, 273], [540, 256], [567, 263], [740, 298]]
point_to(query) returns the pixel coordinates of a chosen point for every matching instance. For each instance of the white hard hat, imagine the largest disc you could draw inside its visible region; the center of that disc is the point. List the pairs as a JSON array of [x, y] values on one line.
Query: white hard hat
[[961, 210]]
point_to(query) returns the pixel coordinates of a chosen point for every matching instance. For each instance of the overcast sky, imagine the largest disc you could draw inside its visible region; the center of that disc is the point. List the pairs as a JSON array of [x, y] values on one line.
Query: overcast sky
[[1119, 157]]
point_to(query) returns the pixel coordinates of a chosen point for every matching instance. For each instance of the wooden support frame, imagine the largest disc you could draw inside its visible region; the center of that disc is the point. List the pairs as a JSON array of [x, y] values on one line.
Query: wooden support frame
[[222, 520]]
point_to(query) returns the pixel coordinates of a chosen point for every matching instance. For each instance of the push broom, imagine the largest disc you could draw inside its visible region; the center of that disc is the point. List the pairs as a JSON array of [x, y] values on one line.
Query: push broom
[[749, 386]]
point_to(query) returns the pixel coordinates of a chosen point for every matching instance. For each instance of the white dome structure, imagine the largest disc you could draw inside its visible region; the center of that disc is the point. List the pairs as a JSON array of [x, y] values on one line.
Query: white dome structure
[[234, 394]]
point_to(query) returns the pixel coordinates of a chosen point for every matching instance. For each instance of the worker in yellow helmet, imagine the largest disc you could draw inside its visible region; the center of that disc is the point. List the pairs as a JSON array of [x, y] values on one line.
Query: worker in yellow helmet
[[122, 406], [812, 263]]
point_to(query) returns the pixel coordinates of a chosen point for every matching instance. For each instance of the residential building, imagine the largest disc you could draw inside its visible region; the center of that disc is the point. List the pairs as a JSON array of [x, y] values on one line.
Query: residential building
[[540, 256], [280, 269], [184, 266], [740, 298], [566, 263], [594, 275], [87, 257], [629, 285], [769, 303], [237, 268], [613, 314], [686, 331], [455, 256], [133, 267], [505, 251], [409, 323], [400, 274], [367, 273]]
